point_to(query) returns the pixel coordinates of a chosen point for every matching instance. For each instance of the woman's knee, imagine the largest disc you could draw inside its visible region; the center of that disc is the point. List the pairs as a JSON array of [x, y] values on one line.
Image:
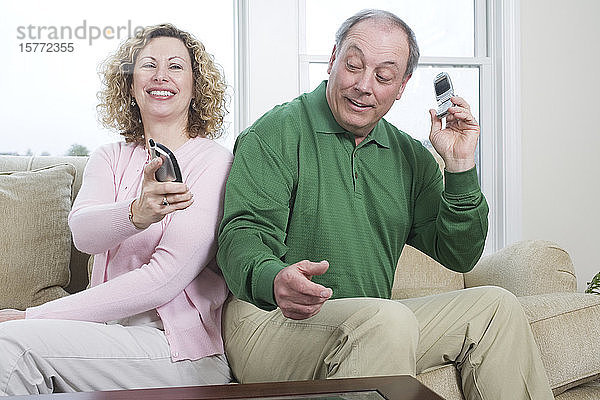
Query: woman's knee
[[11, 337]]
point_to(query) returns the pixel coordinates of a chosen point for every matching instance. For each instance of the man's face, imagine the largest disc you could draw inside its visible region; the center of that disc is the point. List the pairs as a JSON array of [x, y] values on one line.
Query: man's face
[[366, 75]]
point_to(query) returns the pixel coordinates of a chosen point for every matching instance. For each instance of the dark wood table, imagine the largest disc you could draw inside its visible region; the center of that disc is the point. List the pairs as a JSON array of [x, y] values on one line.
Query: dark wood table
[[401, 387]]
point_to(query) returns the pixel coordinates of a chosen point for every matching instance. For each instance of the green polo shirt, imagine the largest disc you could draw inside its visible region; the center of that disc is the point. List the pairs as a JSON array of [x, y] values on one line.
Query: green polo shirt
[[300, 188]]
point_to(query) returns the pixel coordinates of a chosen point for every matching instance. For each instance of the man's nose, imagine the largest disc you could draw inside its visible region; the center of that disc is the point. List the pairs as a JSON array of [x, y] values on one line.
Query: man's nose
[[364, 83]]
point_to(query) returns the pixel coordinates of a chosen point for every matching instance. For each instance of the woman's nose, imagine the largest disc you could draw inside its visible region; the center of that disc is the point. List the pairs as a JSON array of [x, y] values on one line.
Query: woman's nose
[[161, 74]]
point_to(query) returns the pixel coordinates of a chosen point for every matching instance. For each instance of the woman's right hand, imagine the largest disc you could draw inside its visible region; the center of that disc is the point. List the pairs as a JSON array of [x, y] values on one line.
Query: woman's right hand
[[149, 207]]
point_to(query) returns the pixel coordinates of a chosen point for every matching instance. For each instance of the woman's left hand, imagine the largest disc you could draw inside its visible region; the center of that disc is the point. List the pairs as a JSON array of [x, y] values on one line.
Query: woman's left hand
[[9, 314], [158, 199]]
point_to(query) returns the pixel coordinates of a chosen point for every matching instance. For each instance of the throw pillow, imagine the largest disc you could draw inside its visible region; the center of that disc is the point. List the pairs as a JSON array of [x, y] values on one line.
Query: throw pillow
[[35, 240]]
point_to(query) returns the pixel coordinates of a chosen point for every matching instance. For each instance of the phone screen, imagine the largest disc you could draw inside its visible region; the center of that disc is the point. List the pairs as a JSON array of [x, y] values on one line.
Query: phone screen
[[442, 86]]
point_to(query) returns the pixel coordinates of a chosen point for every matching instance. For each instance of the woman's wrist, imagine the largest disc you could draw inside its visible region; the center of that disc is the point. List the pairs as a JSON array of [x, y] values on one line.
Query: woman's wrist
[[132, 218]]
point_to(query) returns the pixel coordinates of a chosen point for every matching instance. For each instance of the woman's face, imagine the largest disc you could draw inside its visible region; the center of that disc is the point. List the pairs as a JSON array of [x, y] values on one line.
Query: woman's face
[[163, 80]]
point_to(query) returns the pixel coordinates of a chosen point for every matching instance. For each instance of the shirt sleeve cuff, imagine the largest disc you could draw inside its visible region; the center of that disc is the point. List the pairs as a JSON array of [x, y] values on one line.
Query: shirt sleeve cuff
[[457, 183], [264, 285]]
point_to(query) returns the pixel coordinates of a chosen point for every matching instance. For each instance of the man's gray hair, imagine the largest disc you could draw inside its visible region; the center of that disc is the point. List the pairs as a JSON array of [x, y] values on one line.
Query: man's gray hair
[[413, 48]]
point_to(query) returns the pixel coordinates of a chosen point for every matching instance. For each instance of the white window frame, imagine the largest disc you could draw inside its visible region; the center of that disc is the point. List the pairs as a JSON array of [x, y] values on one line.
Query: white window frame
[[497, 55]]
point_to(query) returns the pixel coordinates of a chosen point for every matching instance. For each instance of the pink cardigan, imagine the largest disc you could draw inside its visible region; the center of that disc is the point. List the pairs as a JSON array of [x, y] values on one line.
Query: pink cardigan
[[169, 266]]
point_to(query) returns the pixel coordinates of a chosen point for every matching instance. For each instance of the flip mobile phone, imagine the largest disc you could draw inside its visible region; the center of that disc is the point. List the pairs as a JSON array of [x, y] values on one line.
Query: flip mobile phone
[[169, 170], [443, 92]]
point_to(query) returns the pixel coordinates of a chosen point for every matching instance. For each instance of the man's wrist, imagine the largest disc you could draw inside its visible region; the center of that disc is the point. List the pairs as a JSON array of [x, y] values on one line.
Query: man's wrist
[[457, 166]]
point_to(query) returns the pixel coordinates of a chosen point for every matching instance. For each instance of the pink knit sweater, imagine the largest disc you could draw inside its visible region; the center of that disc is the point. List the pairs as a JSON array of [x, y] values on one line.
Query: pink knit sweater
[[169, 266]]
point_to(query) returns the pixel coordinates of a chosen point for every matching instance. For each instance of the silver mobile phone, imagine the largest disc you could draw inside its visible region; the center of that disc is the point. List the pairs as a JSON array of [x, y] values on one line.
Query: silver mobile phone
[[443, 92], [169, 170]]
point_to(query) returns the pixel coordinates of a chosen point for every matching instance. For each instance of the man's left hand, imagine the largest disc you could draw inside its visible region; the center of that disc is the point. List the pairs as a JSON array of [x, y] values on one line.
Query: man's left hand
[[457, 142]]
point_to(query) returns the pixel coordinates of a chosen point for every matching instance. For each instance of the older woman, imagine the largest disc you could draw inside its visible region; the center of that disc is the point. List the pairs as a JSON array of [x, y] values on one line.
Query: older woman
[[152, 314]]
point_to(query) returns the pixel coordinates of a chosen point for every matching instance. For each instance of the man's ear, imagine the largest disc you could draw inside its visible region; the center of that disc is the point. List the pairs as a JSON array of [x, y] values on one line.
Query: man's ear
[[402, 87], [331, 60]]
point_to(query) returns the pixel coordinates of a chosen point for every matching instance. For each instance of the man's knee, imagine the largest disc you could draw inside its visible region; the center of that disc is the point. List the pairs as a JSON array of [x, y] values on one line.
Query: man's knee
[[383, 323], [504, 297], [378, 337], [505, 304]]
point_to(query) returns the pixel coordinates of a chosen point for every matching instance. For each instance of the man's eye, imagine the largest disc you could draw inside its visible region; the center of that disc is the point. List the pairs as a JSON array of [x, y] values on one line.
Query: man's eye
[[382, 78], [351, 67]]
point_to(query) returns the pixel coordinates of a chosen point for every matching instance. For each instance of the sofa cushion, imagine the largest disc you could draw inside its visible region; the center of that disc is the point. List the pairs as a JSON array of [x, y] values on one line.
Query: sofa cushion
[[526, 268], [444, 380], [565, 327], [419, 275], [586, 391], [35, 240]]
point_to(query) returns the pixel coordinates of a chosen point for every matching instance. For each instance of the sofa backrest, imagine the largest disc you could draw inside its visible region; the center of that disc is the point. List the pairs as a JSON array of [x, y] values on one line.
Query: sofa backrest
[[79, 260], [416, 275]]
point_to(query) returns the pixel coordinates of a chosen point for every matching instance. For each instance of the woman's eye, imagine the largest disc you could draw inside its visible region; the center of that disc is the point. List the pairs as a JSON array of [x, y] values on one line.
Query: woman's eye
[[148, 65], [176, 66]]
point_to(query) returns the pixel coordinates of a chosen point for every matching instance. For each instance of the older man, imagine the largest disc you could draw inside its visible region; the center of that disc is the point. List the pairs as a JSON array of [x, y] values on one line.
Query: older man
[[322, 197]]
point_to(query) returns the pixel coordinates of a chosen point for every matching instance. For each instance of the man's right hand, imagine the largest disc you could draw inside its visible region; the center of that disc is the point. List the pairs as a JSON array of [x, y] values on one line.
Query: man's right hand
[[296, 295]]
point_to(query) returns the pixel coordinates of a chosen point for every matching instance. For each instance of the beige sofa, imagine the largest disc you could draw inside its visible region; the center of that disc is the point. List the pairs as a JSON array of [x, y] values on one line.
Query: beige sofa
[[38, 263]]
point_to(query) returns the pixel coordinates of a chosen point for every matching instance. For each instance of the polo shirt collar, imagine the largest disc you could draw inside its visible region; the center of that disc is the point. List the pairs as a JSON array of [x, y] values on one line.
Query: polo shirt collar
[[324, 122]]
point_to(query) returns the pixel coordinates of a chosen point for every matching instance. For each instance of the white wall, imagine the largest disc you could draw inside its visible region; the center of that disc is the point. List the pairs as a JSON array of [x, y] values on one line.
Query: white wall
[[561, 132]]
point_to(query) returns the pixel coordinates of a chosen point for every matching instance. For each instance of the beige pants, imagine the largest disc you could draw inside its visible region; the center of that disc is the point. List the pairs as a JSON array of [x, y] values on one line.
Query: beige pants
[[483, 331], [45, 356]]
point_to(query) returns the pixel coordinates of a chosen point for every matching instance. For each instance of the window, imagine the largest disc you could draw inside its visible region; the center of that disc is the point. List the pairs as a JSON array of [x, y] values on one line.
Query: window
[[49, 102], [445, 33]]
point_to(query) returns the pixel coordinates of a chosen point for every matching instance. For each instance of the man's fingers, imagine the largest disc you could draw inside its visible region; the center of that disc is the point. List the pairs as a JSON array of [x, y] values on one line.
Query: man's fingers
[[436, 123], [310, 269], [459, 101], [301, 312], [296, 295], [299, 306], [308, 292]]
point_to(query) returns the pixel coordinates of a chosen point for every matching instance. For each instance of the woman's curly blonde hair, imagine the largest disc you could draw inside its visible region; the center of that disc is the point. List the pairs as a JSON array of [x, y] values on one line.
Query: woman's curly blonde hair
[[118, 110]]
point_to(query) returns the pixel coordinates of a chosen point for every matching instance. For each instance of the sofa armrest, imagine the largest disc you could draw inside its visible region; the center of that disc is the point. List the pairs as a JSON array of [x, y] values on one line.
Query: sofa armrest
[[526, 268]]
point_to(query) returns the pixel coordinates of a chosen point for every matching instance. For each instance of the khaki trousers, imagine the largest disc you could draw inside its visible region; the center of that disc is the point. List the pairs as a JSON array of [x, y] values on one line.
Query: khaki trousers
[[45, 356], [483, 331]]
